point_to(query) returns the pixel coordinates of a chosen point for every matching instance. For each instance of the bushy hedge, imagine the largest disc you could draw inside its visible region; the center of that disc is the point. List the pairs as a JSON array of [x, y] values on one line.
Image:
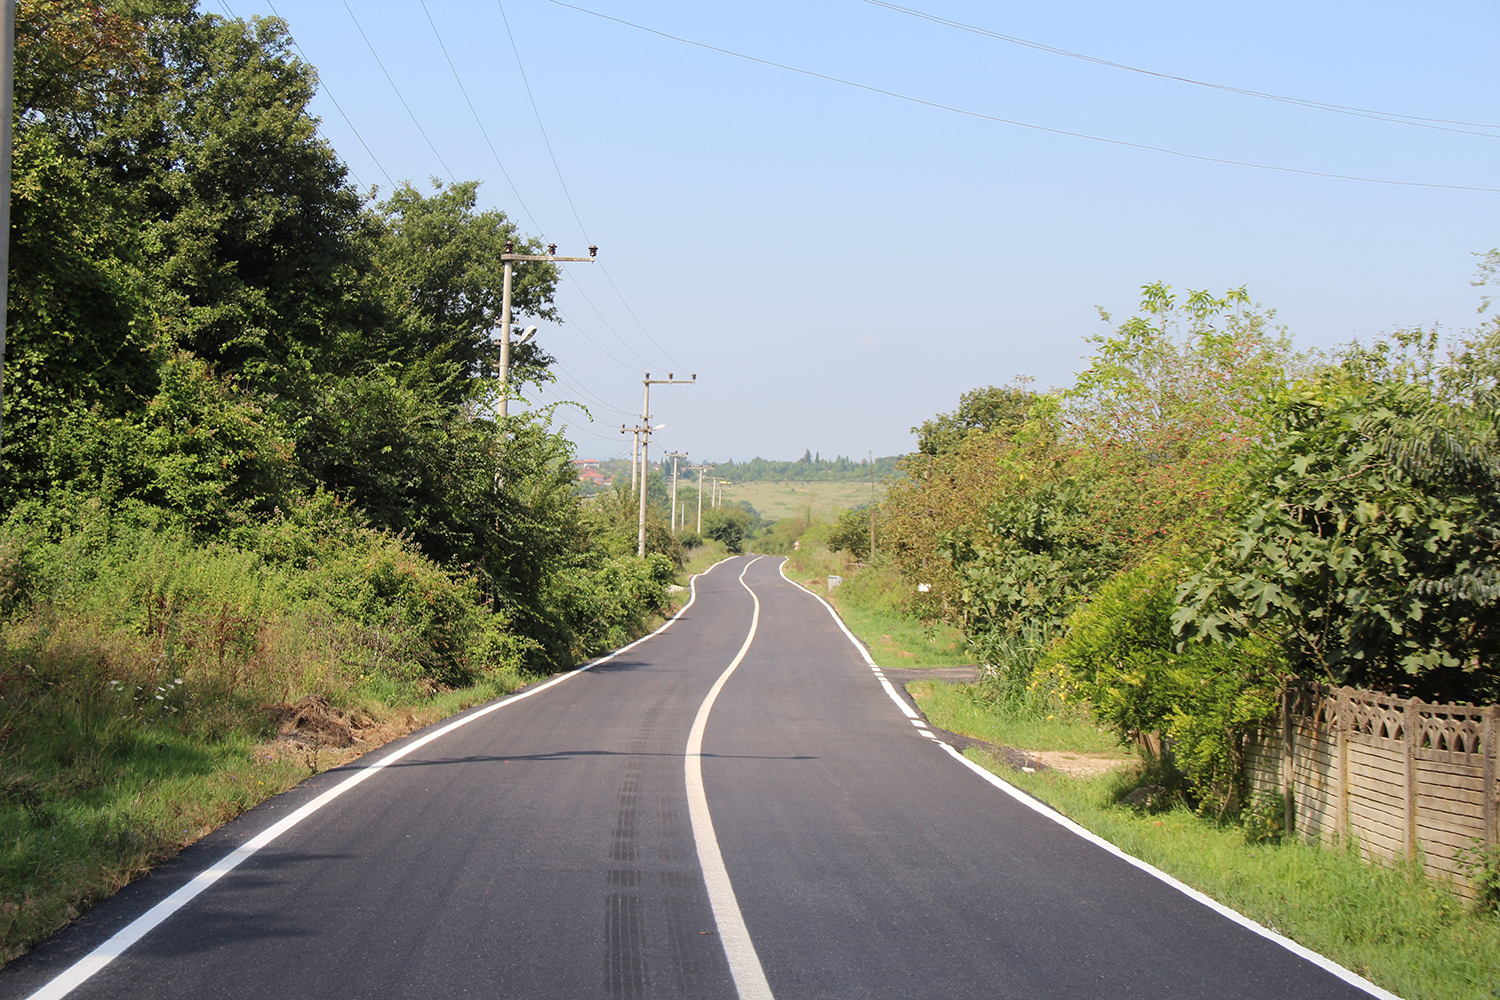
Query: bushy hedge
[[1119, 654]]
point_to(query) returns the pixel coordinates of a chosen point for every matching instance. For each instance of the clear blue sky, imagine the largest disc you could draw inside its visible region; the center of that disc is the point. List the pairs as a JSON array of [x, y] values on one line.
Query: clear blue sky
[[837, 265]]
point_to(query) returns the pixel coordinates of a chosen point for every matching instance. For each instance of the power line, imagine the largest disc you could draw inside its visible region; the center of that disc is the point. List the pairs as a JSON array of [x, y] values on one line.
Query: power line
[[539, 124], [568, 194], [1441, 124], [607, 325], [506, 174], [571, 382], [329, 94], [611, 280], [1020, 124], [398, 92], [591, 340]]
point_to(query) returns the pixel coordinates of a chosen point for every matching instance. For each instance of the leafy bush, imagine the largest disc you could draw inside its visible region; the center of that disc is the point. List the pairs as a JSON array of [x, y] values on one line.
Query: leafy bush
[[1369, 546], [851, 533], [1035, 558], [729, 525], [1121, 655]]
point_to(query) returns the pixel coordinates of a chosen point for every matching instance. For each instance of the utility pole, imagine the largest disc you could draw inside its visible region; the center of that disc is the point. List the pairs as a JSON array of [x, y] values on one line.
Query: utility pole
[[700, 469], [635, 452], [674, 456], [509, 257], [7, 98], [872, 507], [648, 382]]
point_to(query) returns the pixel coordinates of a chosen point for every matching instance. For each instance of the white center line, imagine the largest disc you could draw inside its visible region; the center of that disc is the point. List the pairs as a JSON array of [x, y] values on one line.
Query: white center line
[[739, 950]]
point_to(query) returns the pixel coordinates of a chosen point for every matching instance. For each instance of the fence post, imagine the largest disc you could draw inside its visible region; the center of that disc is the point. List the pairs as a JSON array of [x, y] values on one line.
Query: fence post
[[1488, 735], [1288, 771], [1410, 726], [1345, 710]]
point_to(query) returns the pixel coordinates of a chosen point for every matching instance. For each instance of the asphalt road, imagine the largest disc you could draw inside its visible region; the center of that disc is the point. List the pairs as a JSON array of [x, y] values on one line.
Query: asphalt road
[[553, 847]]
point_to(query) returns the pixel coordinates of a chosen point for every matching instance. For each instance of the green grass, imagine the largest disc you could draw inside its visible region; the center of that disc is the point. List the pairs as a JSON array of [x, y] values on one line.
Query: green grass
[[959, 708], [870, 601], [700, 558], [777, 500]]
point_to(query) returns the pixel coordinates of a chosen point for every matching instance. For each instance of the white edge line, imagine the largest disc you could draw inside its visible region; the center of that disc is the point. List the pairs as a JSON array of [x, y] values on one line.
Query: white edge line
[[1041, 808], [739, 950], [79, 972]]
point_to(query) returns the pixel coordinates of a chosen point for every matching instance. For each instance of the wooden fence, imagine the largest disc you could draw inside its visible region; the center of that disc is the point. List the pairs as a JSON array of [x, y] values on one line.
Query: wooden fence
[[1401, 778]]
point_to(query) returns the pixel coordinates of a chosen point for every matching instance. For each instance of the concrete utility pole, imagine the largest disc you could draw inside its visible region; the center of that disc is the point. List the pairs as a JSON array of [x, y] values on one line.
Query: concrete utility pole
[[7, 98], [872, 506], [510, 258], [635, 452], [700, 469], [646, 428], [674, 456]]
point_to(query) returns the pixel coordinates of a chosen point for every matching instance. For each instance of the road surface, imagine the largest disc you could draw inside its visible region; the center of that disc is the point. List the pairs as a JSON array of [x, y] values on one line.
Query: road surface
[[661, 825]]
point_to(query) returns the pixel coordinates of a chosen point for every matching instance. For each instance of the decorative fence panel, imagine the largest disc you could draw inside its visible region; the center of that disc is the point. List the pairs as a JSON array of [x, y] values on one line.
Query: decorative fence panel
[[1401, 778]]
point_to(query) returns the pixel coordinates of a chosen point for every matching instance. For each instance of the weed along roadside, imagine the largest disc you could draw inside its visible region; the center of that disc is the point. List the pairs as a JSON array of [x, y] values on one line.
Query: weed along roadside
[[1388, 922]]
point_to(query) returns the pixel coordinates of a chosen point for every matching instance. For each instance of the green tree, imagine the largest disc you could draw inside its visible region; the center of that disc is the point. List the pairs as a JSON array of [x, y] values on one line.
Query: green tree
[[984, 411], [851, 533], [437, 268], [1369, 544], [729, 524]]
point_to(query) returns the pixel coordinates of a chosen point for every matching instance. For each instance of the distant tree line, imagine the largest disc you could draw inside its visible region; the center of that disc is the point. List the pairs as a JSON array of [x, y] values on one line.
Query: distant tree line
[[809, 468]]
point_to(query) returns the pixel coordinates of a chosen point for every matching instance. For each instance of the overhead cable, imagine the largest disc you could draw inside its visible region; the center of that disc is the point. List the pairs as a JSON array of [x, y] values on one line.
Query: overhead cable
[[569, 195], [591, 340], [1020, 124], [398, 92], [539, 124], [1441, 124], [607, 325], [461, 89], [329, 94]]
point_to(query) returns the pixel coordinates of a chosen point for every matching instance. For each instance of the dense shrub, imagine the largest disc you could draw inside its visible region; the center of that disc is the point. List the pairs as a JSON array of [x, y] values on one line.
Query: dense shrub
[[851, 533], [1120, 654]]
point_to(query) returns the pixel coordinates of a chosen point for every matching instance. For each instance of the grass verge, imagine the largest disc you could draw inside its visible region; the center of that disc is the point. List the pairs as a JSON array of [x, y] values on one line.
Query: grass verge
[[958, 709], [871, 602]]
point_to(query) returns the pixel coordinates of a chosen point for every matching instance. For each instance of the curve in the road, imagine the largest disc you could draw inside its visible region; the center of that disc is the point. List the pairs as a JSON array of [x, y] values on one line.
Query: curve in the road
[[739, 950], [1042, 809]]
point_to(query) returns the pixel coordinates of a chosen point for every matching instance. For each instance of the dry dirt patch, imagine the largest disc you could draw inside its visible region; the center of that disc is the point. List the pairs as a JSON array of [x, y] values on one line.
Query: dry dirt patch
[[323, 736], [1080, 765]]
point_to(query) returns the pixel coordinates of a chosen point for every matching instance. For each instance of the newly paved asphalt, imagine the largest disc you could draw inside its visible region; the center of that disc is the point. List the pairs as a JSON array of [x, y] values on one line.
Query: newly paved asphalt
[[546, 850]]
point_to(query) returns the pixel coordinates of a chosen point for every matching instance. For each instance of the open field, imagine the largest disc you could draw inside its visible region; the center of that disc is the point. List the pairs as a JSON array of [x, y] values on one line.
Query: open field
[[787, 499]]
